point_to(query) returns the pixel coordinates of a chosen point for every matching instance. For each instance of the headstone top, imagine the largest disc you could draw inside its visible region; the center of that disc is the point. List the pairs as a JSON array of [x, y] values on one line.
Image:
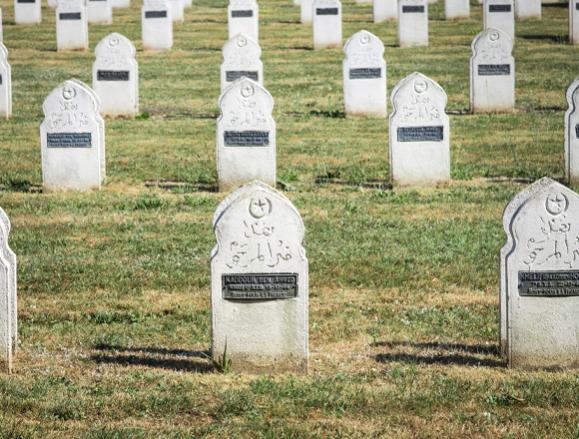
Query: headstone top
[[242, 3], [493, 44], [241, 100], [115, 45], [161, 4], [70, 5], [418, 98], [70, 96], [241, 47], [572, 95], [364, 47]]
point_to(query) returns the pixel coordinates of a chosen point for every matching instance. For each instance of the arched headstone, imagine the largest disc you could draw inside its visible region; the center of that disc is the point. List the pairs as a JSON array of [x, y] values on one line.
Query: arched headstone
[[412, 23], [157, 25], [8, 296], [419, 133], [259, 282], [572, 134], [5, 84], [327, 24], [454, 9], [116, 76], [241, 59], [27, 11], [500, 14], [385, 10], [246, 136], [243, 18], [540, 278], [99, 11], [492, 73], [71, 140], [71, 25], [364, 71]]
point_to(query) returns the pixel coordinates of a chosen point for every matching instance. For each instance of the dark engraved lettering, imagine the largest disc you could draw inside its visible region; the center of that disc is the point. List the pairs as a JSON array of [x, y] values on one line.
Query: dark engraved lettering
[[366, 73], [112, 75], [420, 134], [499, 8], [412, 9], [25, 1], [246, 138], [274, 286], [69, 140], [0, 79], [494, 69], [242, 14], [577, 6], [234, 75], [549, 283], [326, 11], [155, 14], [69, 16], [577, 131]]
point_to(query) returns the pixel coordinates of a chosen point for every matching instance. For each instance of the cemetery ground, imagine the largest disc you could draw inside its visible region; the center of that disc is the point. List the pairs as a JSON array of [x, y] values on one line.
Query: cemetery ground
[[114, 286]]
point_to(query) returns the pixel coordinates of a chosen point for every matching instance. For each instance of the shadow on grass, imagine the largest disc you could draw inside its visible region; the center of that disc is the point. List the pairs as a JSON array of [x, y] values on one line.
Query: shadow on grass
[[332, 114], [158, 358], [367, 184], [554, 38], [556, 5], [441, 353], [181, 186]]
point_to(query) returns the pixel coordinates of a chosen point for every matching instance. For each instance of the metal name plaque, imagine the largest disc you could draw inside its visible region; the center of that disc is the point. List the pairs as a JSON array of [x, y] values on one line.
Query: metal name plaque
[[326, 11], [273, 286], [155, 14], [234, 75], [69, 140], [69, 16], [25, 1], [0, 79], [246, 138], [366, 73], [549, 283], [412, 9], [112, 75], [494, 69], [500, 8], [577, 131], [577, 6], [420, 134], [242, 14]]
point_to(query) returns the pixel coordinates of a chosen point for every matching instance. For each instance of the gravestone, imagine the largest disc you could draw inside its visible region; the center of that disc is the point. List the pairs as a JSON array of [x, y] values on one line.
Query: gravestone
[[71, 139], [115, 76], [8, 296], [71, 25], [412, 23], [259, 283], [454, 9], [1, 28], [5, 84], [177, 10], [327, 24], [572, 134], [500, 14], [574, 21], [157, 25], [241, 58], [385, 10], [528, 8], [99, 11], [419, 133], [492, 73], [306, 11], [27, 11], [246, 136], [364, 71], [539, 301], [119, 4], [243, 18], [187, 3]]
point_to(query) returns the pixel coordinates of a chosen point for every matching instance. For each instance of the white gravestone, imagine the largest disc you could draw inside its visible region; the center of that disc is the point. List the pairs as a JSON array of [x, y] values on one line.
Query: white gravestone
[[574, 21], [157, 25], [5, 84], [454, 9], [246, 136], [118, 4], [259, 282], [27, 11], [419, 133], [500, 14], [8, 297], [297, 2], [115, 76], [492, 73], [572, 134], [385, 10], [99, 11], [243, 18], [71, 139], [187, 3], [540, 278], [306, 9], [412, 23], [528, 8], [1, 28], [364, 71], [71, 25], [241, 59], [327, 23], [177, 10]]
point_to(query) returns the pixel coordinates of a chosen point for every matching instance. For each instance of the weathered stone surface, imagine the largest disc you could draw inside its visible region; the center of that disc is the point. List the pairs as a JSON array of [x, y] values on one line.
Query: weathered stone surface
[[119, 4], [8, 296], [116, 76], [259, 282], [157, 25], [177, 9], [364, 71], [241, 58], [412, 23], [492, 72], [5, 84], [385, 10], [540, 278], [528, 8], [573, 21], [327, 24], [243, 18], [500, 14], [71, 25], [306, 11], [99, 11], [572, 134], [27, 11], [454, 9], [419, 133], [246, 136]]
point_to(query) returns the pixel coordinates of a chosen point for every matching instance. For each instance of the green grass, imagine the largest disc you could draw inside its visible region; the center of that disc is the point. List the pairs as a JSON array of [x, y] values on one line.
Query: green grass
[[114, 286]]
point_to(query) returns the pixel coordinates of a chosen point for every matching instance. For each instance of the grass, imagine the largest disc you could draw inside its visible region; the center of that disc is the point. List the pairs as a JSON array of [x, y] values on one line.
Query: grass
[[114, 307]]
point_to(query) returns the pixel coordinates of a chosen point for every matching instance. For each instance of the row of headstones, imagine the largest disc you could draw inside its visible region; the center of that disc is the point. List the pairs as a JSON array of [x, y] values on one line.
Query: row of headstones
[[260, 286]]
